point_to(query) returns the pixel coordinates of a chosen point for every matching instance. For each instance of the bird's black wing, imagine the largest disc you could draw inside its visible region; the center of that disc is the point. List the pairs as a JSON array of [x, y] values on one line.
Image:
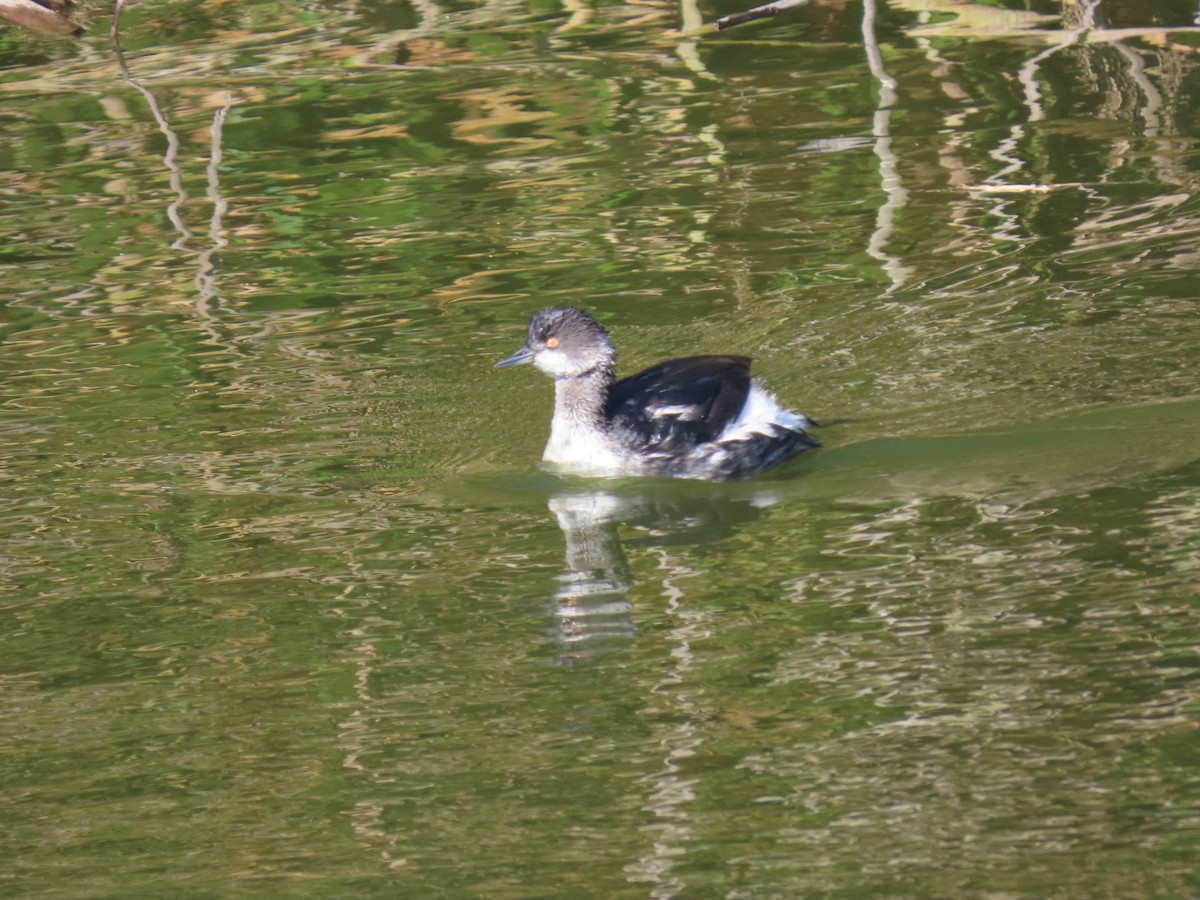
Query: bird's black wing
[[681, 402]]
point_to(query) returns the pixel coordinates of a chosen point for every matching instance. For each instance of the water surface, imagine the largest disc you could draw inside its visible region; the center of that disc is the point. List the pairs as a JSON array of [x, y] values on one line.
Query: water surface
[[289, 608]]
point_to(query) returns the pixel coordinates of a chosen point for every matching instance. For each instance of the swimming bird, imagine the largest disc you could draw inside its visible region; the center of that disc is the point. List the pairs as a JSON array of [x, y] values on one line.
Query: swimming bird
[[699, 417]]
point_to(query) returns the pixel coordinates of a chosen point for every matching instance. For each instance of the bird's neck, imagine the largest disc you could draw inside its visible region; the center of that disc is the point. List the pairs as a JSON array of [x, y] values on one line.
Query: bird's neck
[[581, 399], [578, 434]]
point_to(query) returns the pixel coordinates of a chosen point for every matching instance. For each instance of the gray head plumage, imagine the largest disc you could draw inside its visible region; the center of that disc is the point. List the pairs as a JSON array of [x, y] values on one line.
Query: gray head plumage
[[565, 342]]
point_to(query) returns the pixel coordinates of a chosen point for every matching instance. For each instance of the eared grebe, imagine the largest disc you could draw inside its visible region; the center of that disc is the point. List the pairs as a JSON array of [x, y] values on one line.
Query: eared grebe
[[699, 417]]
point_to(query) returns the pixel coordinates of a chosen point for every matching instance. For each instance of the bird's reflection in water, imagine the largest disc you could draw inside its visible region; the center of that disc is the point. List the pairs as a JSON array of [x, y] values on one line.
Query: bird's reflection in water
[[591, 609], [594, 616]]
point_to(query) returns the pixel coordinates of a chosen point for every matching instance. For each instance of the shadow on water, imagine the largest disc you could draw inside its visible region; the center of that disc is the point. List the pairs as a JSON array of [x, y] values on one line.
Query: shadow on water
[[1064, 454]]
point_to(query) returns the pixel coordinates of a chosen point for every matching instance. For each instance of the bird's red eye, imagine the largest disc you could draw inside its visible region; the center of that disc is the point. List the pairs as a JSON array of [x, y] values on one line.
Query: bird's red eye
[[551, 343]]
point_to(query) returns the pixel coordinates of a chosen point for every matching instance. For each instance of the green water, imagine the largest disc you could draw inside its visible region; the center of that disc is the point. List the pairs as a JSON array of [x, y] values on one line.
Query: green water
[[288, 609]]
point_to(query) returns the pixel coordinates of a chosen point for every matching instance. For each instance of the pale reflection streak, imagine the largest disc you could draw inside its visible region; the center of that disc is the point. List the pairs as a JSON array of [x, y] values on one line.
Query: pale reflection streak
[[594, 614], [1008, 153], [689, 54], [170, 158], [895, 194], [592, 611], [1153, 99], [357, 732], [581, 14], [355, 735], [205, 281], [952, 154], [1086, 31], [687, 49], [671, 792], [1156, 116], [1082, 31], [1028, 73]]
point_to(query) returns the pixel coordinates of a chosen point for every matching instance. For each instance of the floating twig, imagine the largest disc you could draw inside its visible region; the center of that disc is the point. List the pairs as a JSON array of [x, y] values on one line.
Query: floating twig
[[759, 12]]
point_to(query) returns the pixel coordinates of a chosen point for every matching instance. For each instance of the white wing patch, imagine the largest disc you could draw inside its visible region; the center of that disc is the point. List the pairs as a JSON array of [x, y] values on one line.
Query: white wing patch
[[762, 414], [686, 412]]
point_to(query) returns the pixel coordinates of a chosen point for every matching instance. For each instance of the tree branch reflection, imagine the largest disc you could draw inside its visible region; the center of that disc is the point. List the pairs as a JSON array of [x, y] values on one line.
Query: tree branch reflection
[[895, 194], [206, 267]]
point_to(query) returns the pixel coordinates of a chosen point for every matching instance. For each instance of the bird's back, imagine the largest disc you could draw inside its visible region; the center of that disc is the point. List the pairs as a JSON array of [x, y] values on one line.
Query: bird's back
[[680, 403], [703, 417]]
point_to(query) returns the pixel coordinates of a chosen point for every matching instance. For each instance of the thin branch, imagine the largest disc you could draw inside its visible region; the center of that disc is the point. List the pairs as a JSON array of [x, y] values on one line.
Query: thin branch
[[759, 12], [115, 31]]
